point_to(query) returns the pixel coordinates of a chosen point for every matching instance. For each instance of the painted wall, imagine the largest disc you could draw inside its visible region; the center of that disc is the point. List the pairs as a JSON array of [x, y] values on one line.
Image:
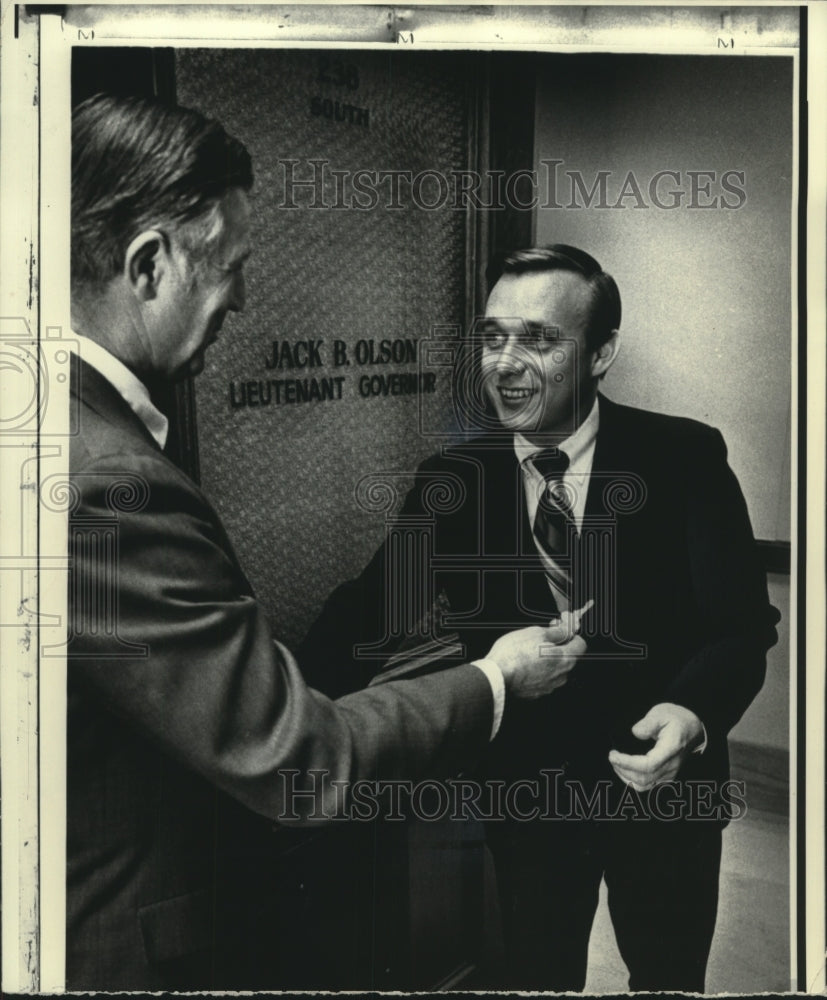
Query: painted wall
[[767, 720]]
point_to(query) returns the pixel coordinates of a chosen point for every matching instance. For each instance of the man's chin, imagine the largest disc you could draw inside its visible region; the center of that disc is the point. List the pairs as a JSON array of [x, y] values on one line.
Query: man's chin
[[522, 419]]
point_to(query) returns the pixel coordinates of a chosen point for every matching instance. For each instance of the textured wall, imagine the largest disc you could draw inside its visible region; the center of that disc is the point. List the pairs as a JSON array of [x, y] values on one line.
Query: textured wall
[[283, 476], [706, 290]]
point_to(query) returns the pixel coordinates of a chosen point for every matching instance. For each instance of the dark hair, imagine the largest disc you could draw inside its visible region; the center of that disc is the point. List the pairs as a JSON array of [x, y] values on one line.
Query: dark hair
[[605, 315], [139, 164]]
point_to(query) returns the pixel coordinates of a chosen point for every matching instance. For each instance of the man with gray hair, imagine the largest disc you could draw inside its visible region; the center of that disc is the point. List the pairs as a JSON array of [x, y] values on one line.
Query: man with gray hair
[[180, 700]]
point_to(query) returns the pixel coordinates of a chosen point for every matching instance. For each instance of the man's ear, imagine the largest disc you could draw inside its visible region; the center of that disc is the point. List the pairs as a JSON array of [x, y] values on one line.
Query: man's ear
[[145, 263], [604, 357]]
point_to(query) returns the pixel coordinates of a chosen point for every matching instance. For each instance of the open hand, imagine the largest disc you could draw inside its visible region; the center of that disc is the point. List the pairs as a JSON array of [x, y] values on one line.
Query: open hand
[[677, 731]]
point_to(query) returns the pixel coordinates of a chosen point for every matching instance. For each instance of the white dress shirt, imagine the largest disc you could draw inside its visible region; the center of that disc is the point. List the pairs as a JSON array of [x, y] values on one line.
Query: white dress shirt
[[128, 385]]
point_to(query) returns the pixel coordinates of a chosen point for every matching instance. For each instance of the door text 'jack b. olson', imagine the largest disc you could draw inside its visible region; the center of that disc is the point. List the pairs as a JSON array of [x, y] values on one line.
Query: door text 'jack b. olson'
[[286, 356]]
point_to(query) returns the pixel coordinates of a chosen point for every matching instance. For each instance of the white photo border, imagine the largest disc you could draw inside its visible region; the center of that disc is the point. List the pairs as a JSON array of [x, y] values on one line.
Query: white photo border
[[34, 152]]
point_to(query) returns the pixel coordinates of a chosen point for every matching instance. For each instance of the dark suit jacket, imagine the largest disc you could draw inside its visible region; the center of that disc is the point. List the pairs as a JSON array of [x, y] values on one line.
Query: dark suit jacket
[[182, 705], [681, 610]]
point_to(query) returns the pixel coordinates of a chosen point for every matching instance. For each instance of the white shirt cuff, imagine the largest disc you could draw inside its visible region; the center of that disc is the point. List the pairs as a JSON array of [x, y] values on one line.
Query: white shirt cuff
[[497, 682]]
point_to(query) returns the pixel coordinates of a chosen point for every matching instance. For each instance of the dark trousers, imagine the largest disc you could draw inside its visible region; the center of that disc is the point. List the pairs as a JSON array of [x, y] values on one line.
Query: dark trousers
[[662, 880]]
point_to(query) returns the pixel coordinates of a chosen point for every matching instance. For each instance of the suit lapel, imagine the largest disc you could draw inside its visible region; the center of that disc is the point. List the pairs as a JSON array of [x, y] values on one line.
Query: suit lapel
[[607, 459], [501, 490], [508, 533], [620, 464]]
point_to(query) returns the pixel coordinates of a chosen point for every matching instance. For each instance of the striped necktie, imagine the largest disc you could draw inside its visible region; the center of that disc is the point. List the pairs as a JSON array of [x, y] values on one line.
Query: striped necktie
[[554, 526]]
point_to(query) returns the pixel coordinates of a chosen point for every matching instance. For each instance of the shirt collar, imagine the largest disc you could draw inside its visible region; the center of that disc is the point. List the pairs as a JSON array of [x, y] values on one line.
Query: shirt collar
[[128, 385], [576, 446]]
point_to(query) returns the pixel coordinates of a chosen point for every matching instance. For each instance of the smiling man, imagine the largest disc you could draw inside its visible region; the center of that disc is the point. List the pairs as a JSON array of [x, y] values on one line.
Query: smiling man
[[540, 366], [570, 501], [189, 724]]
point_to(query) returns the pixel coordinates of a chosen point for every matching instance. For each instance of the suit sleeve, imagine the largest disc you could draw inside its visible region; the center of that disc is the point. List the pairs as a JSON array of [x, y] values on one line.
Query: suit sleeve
[[735, 620], [211, 686]]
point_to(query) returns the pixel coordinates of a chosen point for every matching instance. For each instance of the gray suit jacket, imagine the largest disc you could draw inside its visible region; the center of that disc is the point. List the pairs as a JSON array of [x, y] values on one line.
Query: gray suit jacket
[[179, 699]]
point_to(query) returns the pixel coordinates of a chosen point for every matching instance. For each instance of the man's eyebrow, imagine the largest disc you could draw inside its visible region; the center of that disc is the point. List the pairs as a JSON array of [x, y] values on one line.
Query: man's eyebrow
[[511, 322], [547, 329], [500, 322]]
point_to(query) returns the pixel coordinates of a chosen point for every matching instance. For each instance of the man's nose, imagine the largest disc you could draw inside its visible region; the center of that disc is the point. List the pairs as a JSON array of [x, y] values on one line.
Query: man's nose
[[512, 357], [238, 294]]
